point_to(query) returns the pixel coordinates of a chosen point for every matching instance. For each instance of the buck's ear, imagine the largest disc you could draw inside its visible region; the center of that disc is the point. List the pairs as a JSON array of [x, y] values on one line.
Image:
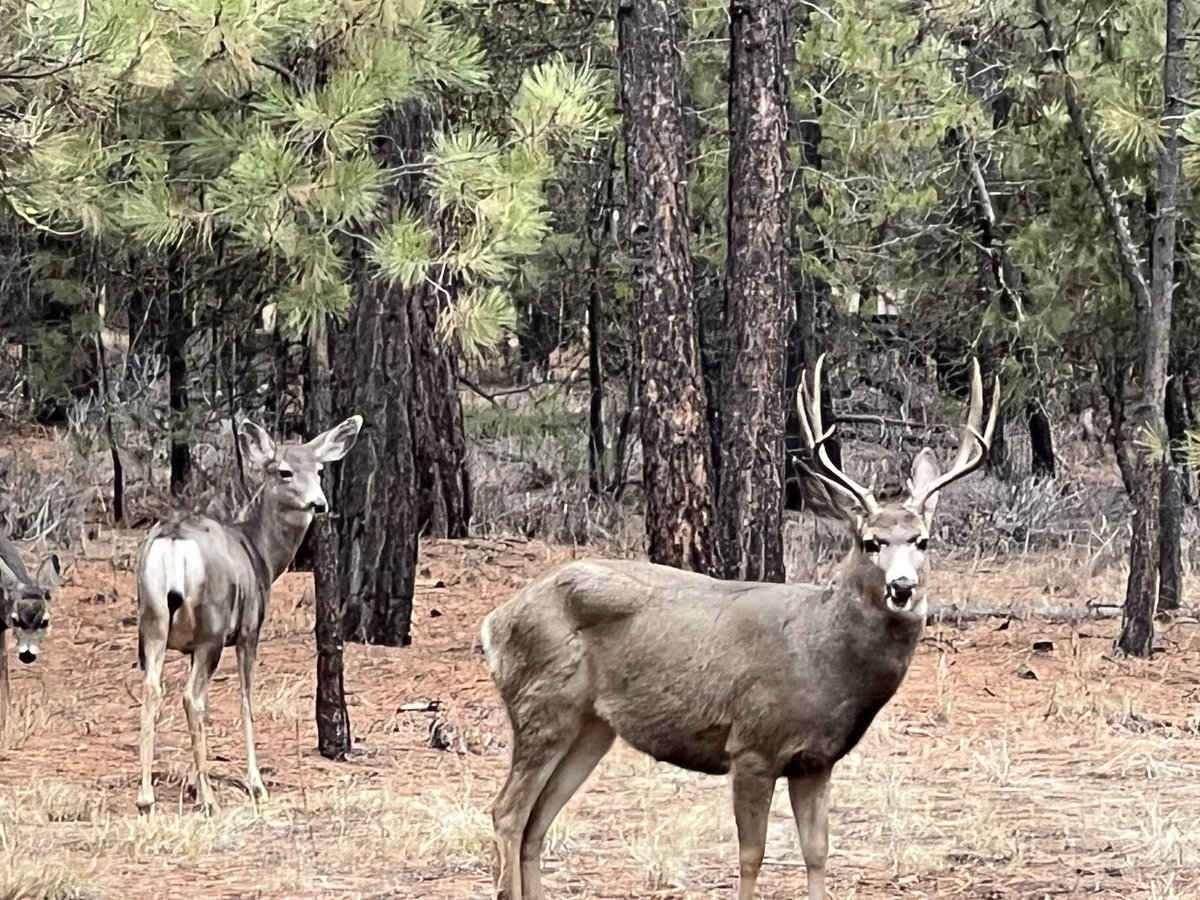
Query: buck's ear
[[332, 445], [925, 472], [257, 445], [48, 573]]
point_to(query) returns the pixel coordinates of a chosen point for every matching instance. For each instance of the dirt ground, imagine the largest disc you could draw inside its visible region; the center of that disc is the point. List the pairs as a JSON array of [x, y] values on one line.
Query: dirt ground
[[998, 771]]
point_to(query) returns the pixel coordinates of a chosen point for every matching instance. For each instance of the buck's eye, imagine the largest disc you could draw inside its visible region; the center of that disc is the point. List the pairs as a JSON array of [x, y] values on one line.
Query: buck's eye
[[285, 474], [871, 545]]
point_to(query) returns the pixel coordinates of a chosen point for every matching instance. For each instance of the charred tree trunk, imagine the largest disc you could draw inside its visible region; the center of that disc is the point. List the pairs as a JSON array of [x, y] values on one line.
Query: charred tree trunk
[[677, 468], [811, 297], [598, 229], [333, 718], [177, 375], [1141, 596], [750, 495], [1041, 442], [1170, 513]]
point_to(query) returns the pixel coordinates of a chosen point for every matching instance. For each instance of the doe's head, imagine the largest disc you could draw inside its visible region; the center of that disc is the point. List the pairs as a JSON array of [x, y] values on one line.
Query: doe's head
[[27, 604], [894, 536], [293, 471]]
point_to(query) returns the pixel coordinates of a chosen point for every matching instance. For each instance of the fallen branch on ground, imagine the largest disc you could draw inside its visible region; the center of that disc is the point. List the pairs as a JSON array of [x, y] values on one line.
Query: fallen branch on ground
[[955, 615]]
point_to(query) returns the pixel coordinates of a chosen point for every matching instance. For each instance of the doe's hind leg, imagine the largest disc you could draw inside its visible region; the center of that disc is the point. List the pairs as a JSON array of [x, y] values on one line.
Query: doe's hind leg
[[589, 747]]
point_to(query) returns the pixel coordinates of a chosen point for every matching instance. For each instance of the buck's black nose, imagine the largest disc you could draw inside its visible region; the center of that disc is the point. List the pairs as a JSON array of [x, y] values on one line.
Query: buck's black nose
[[902, 589], [26, 656]]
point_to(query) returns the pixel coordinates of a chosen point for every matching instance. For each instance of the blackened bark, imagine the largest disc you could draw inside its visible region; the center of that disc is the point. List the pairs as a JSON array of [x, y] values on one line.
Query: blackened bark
[[597, 230], [378, 511], [1170, 513], [1141, 595], [177, 375], [677, 469], [333, 718], [1041, 442], [750, 495], [811, 294]]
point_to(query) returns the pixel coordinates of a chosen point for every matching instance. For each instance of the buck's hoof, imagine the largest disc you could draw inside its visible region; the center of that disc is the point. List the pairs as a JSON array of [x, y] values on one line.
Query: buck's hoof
[[145, 807], [258, 793]]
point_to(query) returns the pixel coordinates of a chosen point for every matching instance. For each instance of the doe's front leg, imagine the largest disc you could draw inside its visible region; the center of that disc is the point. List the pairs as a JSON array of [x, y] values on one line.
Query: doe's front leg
[[810, 806], [752, 791]]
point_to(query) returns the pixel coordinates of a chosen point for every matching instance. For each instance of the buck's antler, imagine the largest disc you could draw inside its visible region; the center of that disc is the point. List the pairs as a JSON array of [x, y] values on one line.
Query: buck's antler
[[972, 440], [809, 409]]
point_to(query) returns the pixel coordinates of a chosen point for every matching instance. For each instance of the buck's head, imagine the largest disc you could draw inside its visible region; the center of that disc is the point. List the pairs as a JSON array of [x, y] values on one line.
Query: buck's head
[[293, 471], [894, 537], [27, 605]]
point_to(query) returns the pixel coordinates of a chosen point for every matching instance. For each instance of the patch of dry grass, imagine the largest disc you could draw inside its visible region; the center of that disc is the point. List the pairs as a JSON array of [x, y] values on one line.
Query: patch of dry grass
[[31, 877]]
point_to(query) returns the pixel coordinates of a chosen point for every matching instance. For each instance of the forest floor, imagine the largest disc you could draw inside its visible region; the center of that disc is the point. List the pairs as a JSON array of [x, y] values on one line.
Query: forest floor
[[998, 771]]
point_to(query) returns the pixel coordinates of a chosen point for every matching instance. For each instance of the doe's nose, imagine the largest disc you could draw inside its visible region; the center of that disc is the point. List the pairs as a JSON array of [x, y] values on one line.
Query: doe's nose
[[26, 656], [902, 588], [318, 507]]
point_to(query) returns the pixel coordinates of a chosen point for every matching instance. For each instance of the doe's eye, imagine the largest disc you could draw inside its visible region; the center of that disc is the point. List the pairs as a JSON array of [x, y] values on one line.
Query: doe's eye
[[871, 546], [285, 474]]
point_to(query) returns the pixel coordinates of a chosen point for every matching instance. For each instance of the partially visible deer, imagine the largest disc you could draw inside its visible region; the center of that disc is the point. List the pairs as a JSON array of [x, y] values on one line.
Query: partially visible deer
[[24, 610], [760, 681], [203, 585]]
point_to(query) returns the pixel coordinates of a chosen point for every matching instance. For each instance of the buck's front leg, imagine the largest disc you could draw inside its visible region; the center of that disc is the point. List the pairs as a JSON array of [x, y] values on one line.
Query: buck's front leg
[[752, 792], [246, 655], [810, 806], [3, 680]]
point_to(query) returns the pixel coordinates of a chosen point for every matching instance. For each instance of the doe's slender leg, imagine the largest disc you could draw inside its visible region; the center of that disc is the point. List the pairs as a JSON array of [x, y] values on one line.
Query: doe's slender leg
[[810, 806], [246, 655], [752, 791]]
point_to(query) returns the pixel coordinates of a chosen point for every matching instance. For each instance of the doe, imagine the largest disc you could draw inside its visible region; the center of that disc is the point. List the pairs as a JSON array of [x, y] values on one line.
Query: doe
[[203, 585], [760, 681], [24, 610]]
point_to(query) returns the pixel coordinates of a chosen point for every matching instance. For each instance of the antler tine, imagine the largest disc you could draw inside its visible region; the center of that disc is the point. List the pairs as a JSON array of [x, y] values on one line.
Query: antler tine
[[975, 445], [809, 409]]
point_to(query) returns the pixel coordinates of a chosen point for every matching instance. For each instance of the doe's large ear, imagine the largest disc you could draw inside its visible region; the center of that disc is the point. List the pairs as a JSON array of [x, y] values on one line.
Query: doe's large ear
[[332, 445], [257, 445], [924, 472], [48, 572]]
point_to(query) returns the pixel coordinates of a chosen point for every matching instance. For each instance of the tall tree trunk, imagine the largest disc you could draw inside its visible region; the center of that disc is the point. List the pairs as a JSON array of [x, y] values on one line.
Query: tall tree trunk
[[1141, 597], [750, 495], [598, 217], [677, 469], [177, 374], [333, 718], [811, 296], [1170, 513]]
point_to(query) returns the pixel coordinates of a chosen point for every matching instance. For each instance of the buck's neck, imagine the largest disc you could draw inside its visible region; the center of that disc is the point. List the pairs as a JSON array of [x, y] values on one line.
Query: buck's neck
[[860, 585], [274, 533]]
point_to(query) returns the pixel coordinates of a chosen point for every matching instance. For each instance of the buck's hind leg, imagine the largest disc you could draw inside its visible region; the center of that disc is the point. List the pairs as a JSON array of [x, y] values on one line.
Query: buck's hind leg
[[593, 741], [810, 806], [152, 647]]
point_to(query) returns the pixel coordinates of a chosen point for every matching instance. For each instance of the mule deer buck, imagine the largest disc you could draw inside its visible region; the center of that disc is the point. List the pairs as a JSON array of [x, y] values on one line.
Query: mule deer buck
[[203, 585], [24, 610], [760, 681]]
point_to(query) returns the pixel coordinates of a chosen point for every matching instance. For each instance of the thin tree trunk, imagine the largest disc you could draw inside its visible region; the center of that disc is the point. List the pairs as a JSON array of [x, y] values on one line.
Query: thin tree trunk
[[1170, 514], [177, 375], [750, 497], [812, 297], [333, 718], [677, 468], [1141, 597]]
